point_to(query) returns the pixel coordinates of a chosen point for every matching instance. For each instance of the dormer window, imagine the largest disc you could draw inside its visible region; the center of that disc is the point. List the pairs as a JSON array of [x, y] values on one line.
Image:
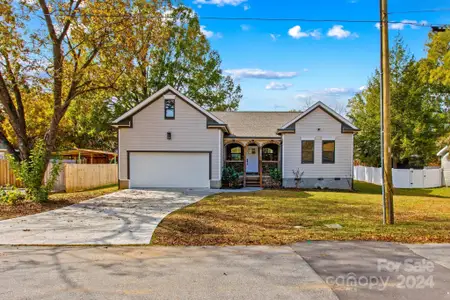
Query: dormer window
[[169, 109]]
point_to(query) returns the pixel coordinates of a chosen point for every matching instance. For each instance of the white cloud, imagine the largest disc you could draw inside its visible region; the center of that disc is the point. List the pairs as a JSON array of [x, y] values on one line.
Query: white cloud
[[278, 86], [246, 7], [335, 91], [297, 33], [338, 31], [259, 74], [245, 27], [305, 70], [274, 36], [327, 95], [413, 24], [362, 88], [220, 2], [315, 33], [210, 34]]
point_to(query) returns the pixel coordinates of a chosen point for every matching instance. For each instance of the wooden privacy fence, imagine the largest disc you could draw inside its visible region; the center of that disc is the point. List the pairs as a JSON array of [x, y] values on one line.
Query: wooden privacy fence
[[72, 177], [83, 177], [6, 175]]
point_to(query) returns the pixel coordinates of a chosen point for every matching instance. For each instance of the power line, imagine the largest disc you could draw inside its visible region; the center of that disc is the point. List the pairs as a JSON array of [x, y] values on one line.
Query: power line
[[421, 11], [418, 24], [268, 19]]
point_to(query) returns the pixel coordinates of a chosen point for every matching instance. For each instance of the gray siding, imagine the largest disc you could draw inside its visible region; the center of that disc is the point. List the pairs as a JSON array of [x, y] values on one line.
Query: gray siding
[[189, 133], [307, 128]]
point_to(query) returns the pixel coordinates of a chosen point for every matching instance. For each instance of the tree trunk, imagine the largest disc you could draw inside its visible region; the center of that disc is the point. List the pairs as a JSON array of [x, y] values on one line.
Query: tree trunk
[[394, 162]]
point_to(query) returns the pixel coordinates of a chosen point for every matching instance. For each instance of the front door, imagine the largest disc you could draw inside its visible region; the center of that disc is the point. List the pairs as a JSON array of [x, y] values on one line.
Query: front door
[[252, 159]]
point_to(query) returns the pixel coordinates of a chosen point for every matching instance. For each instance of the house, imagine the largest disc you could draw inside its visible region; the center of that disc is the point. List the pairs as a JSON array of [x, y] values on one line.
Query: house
[[86, 156], [445, 165], [170, 141]]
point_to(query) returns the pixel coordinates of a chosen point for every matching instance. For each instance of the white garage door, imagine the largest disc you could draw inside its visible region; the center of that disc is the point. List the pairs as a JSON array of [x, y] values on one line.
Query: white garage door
[[169, 169]]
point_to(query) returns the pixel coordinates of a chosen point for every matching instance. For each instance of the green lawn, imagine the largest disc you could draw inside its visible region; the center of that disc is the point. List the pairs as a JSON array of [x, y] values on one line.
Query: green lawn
[[270, 217]]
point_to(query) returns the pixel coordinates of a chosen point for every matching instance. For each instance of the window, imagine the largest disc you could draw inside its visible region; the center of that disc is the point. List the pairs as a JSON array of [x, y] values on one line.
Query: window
[[236, 153], [307, 152], [169, 109], [270, 152], [328, 150]]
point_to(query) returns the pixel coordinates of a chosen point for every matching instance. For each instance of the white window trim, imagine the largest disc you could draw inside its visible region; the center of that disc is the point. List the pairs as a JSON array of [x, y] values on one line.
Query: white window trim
[[308, 138]]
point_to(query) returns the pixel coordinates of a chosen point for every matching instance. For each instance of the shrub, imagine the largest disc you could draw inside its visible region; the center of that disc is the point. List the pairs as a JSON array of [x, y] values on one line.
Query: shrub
[[31, 172], [231, 176], [11, 196], [276, 177]]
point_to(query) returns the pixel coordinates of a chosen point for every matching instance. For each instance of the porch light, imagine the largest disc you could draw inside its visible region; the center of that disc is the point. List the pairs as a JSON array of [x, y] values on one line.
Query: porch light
[[169, 135]]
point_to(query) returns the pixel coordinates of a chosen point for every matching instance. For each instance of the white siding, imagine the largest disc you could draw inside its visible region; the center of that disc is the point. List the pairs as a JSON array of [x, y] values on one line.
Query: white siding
[[189, 133], [445, 162], [308, 128]]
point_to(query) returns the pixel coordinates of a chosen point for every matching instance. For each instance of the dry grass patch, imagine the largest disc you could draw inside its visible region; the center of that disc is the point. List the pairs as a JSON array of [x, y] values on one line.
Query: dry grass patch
[[270, 217], [55, 201]]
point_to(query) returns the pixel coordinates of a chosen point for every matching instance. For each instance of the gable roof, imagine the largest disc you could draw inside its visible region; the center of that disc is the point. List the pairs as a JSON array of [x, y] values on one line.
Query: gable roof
[[262, 124], [328, 110], [156, 96], [443, 151], [255, 124]]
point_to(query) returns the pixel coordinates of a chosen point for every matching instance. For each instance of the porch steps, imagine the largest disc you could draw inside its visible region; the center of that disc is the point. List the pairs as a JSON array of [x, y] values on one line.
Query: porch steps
[[252, 181]]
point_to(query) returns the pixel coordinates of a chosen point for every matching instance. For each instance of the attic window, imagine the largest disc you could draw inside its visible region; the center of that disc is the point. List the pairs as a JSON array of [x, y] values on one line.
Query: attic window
[[169, 109]]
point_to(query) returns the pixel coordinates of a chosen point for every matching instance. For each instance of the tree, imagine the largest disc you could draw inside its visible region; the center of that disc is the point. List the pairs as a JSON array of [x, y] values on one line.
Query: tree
[[76, 50], [435, 70], [186, 62], [418, 116], [435, 67]]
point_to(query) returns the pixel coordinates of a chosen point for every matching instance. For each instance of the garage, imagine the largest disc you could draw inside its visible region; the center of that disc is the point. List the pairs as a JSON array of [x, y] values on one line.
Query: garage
[[169, 169]]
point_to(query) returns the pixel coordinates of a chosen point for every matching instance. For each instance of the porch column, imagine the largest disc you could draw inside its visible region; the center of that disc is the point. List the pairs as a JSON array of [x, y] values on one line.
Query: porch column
[[245, 165], [260, 165], [279, 156]]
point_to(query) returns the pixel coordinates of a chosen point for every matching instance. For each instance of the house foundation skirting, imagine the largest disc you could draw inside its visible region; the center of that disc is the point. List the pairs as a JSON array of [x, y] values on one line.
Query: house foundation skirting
[[216, 184], [320, 183]]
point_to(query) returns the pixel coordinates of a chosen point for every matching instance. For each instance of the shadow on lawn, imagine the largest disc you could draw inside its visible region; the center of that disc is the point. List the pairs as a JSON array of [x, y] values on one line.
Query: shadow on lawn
[[367, 188]]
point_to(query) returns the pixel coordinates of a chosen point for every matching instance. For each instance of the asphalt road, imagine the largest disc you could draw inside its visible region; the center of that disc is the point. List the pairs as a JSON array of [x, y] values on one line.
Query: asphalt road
[[316, 270]]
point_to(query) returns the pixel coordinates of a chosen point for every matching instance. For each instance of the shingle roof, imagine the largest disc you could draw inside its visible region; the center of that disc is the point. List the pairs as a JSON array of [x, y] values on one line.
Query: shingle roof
[[255, 124]]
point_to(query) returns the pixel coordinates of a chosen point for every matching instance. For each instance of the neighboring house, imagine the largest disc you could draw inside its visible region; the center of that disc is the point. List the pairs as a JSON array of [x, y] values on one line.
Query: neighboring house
[[445, 165], [86, 156], [170, 141]]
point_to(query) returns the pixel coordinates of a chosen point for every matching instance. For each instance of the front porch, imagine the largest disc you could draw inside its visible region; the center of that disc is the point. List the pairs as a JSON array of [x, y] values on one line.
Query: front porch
[[253, 158]]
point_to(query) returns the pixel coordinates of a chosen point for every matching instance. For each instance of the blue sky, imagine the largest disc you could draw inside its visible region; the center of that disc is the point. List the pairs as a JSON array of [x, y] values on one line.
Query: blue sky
[[285, 65]]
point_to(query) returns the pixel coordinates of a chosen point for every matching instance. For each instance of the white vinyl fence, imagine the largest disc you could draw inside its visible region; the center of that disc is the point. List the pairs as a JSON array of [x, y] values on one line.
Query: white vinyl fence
[[409, 178]]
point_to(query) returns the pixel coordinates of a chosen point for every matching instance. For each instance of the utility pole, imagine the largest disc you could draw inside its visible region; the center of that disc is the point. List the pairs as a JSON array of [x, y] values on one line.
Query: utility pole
[[388, 200]]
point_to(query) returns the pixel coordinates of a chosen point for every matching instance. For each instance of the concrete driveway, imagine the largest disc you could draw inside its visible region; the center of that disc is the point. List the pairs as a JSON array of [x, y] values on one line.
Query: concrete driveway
[[124, 217]]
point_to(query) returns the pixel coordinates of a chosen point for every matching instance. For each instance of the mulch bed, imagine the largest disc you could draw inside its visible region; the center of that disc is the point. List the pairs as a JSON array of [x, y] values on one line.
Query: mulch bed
[[56, 201]]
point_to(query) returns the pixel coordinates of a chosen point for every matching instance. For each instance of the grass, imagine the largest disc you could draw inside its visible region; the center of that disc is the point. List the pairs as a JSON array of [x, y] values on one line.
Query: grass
[[286, 216], [56, 200]]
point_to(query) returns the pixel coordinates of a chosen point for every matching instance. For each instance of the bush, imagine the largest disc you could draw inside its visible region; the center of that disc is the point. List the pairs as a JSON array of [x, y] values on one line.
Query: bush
[[231, 176], [276, 177], [31, 173], [11, 196]]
